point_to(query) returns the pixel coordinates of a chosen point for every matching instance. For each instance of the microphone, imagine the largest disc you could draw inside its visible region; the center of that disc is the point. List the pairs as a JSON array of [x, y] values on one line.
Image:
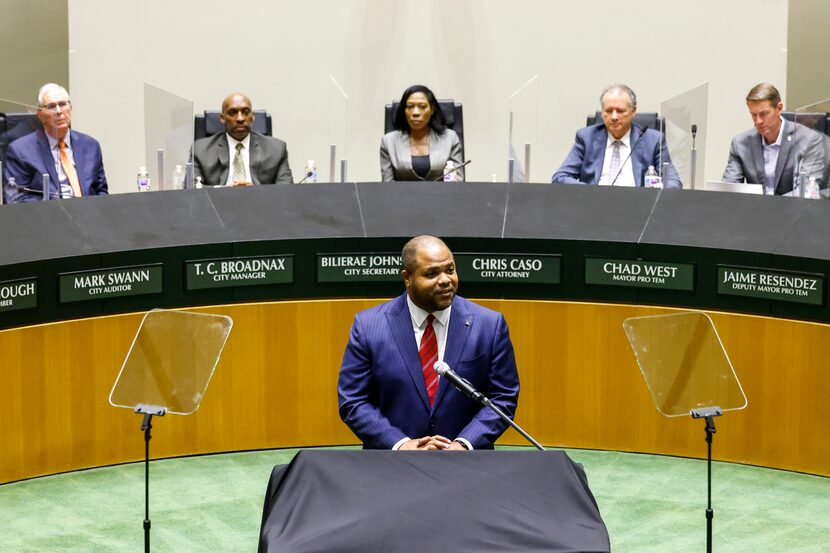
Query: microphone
[[461, 384], [469, 390], [631, 151], [694, 131], [453, 170], [21, 188], [307, 174]]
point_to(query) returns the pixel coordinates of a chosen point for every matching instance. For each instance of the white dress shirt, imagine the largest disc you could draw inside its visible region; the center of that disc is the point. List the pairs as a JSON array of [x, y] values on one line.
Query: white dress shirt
[[440, 325], [626, 177], [771, 152]]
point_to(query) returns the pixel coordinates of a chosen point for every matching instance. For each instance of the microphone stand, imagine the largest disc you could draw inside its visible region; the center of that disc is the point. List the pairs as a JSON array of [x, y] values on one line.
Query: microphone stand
[[631, 151], [453, 170], [146, 426], [708, 414], [693, 160], [478, 397]]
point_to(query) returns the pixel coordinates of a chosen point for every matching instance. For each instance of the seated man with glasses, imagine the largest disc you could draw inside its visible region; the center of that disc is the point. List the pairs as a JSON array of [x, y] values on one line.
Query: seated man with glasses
[[72, 160]]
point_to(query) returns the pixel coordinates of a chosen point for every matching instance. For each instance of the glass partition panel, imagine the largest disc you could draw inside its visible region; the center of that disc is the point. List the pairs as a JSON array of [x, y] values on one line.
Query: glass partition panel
[[685, 134], [812, 150], [19, 182], [337, 101], [168, 137], [523, 127]]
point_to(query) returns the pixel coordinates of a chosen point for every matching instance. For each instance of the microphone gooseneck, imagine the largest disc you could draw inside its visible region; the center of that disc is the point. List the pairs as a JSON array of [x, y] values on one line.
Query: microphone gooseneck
[[631, 151]]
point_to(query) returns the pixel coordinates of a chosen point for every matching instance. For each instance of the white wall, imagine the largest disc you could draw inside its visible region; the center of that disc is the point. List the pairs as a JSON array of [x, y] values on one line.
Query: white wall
[[282, 52]]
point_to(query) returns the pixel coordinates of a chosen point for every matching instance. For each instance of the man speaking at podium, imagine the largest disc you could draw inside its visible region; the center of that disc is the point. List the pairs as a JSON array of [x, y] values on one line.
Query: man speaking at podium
[[388, 392]]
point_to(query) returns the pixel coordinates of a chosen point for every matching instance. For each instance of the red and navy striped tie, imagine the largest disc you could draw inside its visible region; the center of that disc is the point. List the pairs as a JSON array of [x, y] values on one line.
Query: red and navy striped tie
[[429, 356]]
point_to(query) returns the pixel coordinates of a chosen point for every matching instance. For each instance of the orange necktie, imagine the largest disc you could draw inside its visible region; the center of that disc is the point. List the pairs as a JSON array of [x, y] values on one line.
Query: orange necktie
[[69, 170]]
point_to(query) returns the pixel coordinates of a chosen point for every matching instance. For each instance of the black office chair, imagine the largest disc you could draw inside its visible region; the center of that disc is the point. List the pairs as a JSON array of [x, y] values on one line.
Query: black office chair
[[208, 123], [819, 121], [453, 115], [647, 120], [14, 126]]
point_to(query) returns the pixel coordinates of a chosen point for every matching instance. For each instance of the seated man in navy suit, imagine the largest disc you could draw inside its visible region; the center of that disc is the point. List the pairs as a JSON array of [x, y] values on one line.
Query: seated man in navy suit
[[388, 392], [72, 160], [616, 152]]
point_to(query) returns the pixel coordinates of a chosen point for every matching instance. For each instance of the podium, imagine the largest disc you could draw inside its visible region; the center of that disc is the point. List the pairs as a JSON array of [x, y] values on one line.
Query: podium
[[404, 501]]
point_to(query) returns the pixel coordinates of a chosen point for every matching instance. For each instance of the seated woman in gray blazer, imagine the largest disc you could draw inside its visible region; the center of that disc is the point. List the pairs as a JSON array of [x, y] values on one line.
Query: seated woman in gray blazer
[[421, 144]]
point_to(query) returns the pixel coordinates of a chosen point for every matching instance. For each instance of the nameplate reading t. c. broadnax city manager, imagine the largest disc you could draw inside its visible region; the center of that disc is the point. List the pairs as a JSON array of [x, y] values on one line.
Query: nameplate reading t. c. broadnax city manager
[[111, 282], [240, 271]]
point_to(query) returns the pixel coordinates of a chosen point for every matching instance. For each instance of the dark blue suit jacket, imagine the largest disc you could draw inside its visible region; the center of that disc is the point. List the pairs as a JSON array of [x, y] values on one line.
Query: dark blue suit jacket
[[584, 162], [29, 157], [381, 390]]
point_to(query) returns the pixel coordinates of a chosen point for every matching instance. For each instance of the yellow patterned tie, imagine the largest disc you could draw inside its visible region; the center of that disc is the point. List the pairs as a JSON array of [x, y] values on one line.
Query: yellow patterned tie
[[69, 170], [239, 164]]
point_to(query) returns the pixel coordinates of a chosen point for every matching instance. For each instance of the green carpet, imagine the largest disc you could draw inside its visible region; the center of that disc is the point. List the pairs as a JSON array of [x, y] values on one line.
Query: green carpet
[[214, 503]]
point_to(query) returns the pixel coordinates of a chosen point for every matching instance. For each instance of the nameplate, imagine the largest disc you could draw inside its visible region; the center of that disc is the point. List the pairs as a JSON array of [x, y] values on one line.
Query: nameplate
[[239, 271], [771, 284], [111, 283], [509, 268], [640, 274], [359, 267], [18, 294]]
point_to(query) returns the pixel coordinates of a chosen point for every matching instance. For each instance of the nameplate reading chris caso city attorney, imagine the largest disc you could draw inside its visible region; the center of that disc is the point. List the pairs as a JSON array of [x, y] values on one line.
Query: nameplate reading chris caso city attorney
[[240, 271], [517, 268], [110, 283], [640, 274], [18, 294], [771, 285]]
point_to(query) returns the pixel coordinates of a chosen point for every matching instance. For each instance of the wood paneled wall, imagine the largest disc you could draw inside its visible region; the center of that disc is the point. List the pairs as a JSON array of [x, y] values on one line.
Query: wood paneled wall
[[276, 387]]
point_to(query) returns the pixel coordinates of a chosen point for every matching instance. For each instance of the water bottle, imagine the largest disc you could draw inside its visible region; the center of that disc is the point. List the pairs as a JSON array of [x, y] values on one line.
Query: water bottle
[[310, 171], [811, 190], [652, 179], [178, 178], [198, 183], [448, 175], [143, 179]]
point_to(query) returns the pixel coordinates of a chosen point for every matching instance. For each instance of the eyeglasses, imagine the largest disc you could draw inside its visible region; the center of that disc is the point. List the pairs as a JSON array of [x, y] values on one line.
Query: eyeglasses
[[55, 105]]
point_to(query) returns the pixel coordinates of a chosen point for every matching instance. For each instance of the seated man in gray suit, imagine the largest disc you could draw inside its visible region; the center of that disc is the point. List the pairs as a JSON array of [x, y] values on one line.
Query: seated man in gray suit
[[768, 153], [239, 156]]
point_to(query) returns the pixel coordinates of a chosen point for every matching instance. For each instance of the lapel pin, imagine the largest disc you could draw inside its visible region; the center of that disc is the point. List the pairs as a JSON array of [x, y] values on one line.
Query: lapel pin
[[467, 322]]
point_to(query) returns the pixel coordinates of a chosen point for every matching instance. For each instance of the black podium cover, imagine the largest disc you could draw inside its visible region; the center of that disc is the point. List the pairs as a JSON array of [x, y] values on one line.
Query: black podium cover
[[385, 501]]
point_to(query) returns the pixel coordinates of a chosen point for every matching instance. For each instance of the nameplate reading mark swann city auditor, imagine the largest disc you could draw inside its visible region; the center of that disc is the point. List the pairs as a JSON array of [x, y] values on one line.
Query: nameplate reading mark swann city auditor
[[640, 274], [240, 271], [358, 267], [771, 285], [516, 268], [18, 294], [111, 283]]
